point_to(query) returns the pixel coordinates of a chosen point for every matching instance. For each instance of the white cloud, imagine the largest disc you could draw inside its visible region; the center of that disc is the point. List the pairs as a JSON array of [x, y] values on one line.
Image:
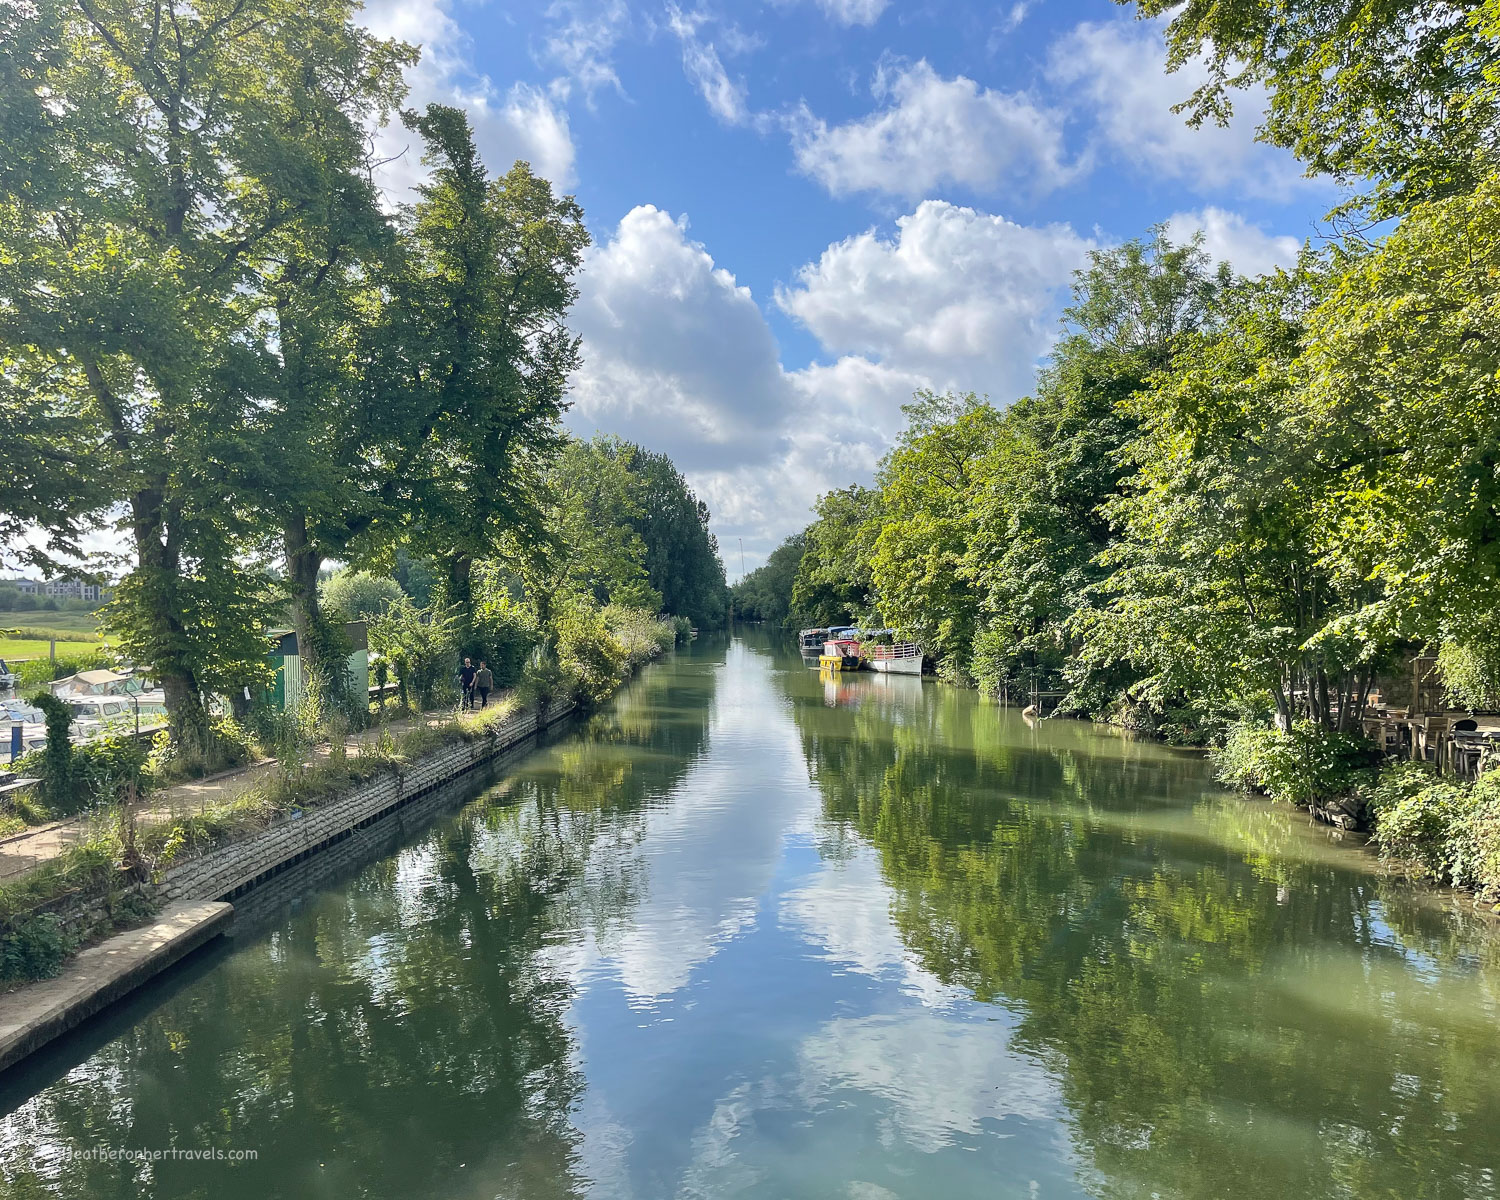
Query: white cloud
[[1229, 237], [959, 295], [583, 41], [1116, 73], [943, 1076], [521, 122], [678, 355], [854, 12], [676, 352], [935, 132], [725, 97]]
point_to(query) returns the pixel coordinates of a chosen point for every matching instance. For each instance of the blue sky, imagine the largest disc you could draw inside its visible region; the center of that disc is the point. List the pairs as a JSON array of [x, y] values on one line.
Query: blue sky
[[802, 210]]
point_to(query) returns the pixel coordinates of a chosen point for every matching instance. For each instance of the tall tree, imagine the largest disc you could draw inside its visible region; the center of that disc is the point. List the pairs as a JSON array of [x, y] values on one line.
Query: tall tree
[[833, 584], [927, 488], [486, 354], [179, 140], [1039, 522], [1399, 94]]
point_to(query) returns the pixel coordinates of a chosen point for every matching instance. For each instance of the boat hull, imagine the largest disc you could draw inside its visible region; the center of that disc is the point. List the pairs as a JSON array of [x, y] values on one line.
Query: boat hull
[[897, 666]]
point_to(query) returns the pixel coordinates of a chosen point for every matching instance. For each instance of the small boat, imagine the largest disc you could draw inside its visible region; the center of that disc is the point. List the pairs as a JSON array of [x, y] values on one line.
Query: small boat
[[904, 658], [18, 712], [841, 651], [810, 642]]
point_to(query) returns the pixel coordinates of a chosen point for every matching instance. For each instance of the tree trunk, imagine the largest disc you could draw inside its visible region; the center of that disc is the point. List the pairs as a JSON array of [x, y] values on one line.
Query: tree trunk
[[303, 562], [158, 559]]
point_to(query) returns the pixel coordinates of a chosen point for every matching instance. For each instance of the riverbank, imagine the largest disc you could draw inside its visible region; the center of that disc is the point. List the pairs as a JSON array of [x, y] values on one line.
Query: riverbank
[[198, 858], [102, 974]]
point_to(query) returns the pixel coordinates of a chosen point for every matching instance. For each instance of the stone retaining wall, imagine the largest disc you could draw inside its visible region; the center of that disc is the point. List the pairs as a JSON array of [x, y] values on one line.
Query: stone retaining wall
[[225, 872]]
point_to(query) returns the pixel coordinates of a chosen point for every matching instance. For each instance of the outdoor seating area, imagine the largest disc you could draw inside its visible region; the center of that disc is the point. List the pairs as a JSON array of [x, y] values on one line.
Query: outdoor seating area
[[1408, 718]]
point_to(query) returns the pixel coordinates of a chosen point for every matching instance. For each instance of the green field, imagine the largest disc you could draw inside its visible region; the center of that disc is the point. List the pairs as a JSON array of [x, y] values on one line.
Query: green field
[[68, 625], [15, 649]]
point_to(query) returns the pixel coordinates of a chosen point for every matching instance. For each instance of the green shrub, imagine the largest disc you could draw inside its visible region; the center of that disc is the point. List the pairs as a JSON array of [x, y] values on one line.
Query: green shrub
[[683, 629], [1419, 819], [1307, 765], [542, 680], [421, 646], [109, 769], [1476, 849], [640, 635], [228, 744], [586, 651], [34, 948], [502, 634], [38, 672], [357, 595]]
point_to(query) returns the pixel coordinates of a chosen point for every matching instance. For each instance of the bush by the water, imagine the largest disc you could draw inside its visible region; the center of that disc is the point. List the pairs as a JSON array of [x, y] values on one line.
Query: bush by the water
[[1305, 765], [1440, 828]]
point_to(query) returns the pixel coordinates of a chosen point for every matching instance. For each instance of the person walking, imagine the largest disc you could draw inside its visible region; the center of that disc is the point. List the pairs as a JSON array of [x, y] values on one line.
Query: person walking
[[466, 682], [484, 680]]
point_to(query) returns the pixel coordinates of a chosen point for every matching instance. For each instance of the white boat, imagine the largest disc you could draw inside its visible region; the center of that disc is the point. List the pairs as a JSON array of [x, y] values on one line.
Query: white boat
[[18, 712], [904, 658]]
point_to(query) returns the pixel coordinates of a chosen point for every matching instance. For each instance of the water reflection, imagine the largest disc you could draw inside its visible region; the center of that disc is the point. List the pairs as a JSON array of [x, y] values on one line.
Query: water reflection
[[1227, 1002], [741, 935]]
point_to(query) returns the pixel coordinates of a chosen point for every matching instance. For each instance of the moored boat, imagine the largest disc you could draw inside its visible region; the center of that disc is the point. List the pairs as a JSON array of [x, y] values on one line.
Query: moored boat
[[810, 642], [904, 658]]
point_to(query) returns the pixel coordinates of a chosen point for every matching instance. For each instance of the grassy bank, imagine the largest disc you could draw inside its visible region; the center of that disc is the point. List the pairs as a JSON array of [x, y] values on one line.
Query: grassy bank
[[32, 945]]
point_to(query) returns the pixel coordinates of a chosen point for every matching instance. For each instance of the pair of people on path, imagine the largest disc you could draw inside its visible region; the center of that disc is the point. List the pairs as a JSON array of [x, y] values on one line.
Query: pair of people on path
[[481, 681]]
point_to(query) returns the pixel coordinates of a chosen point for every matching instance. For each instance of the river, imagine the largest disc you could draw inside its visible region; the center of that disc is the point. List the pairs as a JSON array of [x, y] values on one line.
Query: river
[[747, 932]]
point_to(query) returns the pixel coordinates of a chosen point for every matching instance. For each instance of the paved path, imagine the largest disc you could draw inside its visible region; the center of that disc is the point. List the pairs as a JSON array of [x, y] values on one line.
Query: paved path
[[23, 852]]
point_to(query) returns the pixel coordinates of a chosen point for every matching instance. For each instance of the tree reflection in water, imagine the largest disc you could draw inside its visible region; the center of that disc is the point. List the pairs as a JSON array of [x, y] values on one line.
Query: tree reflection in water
[[1232, 1006], [413, 1019]]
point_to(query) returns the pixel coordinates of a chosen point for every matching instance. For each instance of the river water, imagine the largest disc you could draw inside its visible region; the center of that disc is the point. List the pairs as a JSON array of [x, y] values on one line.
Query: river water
[[749, 932]]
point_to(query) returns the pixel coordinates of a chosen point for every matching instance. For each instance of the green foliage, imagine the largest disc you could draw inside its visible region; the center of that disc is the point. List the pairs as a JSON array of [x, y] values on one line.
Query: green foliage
[[1470, 665], [34, 947], [38, 672], [588, 654], [766, 593], [1444, 829], [502, 630], [832, 585], [350, 595], [681, 556], [640, 635], [421, 647], [1418, 818], [56, 767], [1399, 94], [1307, 765]]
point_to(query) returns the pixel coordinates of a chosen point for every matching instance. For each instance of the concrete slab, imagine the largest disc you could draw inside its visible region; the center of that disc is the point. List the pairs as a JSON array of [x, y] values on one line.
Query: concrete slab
[[33, 1015]]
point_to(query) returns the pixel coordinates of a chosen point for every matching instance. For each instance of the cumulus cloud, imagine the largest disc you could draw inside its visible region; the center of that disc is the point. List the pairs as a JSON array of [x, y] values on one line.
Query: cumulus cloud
[[1116, 74], [676, 352], [1229, 237], [678, 355], [957, 294], [522, 121], [931, 132]]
